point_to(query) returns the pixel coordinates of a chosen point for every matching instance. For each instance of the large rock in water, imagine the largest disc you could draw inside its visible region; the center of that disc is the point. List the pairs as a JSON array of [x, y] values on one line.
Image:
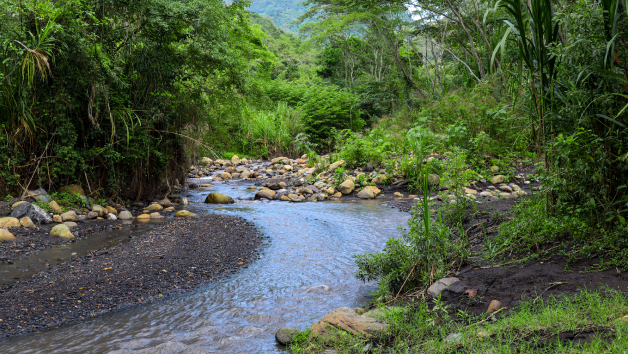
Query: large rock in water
[[125, 215], [346, 319], [265, 194], [218, 198], [346, 187], [285, 334], [35, 213], [183, 214]]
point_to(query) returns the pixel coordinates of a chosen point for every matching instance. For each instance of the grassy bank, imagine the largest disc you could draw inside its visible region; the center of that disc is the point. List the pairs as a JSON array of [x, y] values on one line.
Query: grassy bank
[[589, 322]]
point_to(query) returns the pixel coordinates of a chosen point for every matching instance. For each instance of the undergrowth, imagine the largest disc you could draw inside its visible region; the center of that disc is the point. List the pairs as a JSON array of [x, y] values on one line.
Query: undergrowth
[[534, 326]]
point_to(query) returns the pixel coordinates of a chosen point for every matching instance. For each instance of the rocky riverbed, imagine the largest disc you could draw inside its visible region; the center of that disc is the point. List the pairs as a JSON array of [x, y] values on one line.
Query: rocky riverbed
[[173, 257]]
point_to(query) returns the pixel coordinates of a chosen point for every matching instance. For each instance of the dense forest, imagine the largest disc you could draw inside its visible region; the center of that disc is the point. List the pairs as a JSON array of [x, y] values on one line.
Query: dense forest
[[121, 96]]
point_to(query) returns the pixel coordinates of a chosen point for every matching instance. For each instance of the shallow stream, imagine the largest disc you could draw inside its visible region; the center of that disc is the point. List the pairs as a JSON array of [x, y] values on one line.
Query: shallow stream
[[305, 271]]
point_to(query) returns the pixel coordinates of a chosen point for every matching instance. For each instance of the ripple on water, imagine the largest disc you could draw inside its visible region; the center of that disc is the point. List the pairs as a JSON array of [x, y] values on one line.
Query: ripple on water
[[305, 272]]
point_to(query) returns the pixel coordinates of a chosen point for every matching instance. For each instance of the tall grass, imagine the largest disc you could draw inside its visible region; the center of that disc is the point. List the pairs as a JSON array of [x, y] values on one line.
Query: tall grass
[[271, 133]]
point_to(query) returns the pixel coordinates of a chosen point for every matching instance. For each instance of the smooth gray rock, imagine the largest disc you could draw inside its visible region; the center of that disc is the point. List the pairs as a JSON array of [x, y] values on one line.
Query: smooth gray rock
[[285, 335], [125, 215], [37, 214], [441, 285]]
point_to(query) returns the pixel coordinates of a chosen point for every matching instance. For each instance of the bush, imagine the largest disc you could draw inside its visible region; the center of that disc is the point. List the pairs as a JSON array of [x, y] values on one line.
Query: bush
[[424, 253]]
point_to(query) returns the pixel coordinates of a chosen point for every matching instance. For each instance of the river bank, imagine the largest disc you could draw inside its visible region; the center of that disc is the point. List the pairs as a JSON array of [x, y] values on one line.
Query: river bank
[[174, 257]]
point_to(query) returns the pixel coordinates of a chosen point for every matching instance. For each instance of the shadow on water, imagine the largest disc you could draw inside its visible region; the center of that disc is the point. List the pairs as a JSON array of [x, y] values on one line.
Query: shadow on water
[[306, 271]]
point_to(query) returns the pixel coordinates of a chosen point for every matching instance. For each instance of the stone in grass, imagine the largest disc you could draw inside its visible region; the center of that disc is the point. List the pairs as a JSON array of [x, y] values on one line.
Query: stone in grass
[[183, 214], [61, 230], [218, 198], [5, 235], [498, 179], [348, 320], [346, 187], [441, 285], [285, 335], [494, 306]]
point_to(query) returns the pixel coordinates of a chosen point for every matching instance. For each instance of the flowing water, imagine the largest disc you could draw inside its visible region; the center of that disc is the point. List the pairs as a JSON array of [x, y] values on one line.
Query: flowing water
[[305, 271]]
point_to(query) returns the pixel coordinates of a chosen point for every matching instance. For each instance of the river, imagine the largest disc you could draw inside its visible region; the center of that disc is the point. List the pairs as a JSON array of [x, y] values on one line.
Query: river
[[305, 271]]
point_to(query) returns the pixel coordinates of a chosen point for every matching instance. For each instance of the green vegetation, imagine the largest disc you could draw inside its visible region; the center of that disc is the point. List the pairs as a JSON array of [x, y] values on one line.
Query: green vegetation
[[534, 326]]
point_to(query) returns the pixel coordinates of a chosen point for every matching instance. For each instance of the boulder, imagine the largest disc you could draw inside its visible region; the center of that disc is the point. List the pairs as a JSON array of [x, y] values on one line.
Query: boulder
[[486, 194], [101, 211], [37, 214], [284, 198], [235, 160], [112, 216], [70, 224], [494, 169], [285, 334], [444, 284], [69, 216], [9, 222], [156, 215], [433, 179], [73, 189], [337, 195], [498, 179], [57, 219], [155, 207], [143, 217], [335, 165], [206, 161], [111, 210], [398, 195], [55, 207], [330, 191], [125, 215], [5, 235], [218, 198], [295, 198], [506, 189], [185, 201], [39, 194], [225, 176], [470, 191], [346, 187], [369, 192], [245, 174], [61, 230], [166, 203], [265, 194], [5, 209], [184, 214], [27, 223], [92, 215], [346, 319], [378, 179]]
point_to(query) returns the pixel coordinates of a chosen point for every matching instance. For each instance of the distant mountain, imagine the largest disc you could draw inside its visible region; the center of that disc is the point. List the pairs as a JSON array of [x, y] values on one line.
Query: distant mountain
[[282, 12]]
